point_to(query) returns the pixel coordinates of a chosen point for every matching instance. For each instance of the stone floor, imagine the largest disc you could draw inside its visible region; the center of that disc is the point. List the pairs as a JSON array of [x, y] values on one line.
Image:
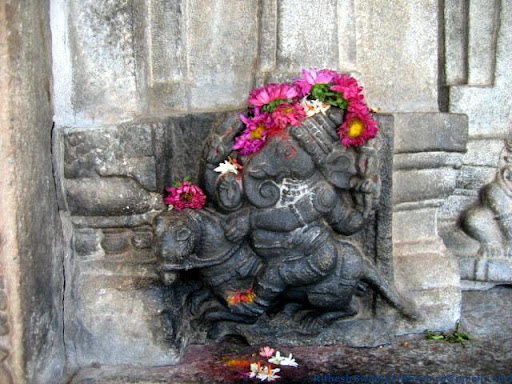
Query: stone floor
[[487, 317]]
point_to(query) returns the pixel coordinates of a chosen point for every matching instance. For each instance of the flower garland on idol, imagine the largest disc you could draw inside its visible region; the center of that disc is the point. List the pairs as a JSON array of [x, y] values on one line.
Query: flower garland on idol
[[273, 107]]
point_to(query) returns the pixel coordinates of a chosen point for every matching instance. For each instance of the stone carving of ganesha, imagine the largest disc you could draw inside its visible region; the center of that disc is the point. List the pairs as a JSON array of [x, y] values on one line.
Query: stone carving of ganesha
[[285, 213]]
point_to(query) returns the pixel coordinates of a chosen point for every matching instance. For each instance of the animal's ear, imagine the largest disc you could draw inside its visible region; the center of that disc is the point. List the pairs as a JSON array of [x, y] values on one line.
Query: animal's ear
[[183, 234], [338, 168]]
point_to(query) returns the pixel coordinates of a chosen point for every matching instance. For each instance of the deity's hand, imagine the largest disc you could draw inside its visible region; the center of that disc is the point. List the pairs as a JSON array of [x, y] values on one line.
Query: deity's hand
[[366, 192], [219, 146], [238, 225]]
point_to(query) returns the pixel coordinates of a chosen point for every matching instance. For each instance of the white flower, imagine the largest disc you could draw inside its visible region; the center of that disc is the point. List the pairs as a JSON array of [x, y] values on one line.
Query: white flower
[[226, 167], [268, 374], [289, 361], [312, 107], [255, 370], [276, 359]]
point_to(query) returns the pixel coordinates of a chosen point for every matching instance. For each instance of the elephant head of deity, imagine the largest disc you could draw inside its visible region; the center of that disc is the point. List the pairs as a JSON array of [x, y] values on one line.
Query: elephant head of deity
[[298, 153]]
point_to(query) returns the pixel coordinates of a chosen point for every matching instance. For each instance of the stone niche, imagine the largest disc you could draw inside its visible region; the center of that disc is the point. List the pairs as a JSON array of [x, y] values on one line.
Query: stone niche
[[118, 309]]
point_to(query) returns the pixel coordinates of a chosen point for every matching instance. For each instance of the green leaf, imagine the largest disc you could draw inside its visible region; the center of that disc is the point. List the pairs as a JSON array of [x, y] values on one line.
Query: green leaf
[[187, 178], [176, 184]]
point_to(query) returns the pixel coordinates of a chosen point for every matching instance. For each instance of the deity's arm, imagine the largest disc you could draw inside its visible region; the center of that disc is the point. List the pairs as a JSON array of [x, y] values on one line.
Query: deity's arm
[[346, 218]]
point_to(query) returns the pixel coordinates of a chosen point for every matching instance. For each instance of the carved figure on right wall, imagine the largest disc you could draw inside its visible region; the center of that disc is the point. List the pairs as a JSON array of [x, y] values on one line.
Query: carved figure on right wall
[[491, 221]]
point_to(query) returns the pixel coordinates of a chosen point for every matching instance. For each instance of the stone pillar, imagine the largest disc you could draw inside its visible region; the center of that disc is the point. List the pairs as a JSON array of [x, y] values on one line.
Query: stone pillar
[[31, 279], [428, 152]]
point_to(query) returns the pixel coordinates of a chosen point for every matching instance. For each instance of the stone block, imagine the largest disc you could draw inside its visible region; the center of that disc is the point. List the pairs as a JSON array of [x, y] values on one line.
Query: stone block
[[397, 54], [426, 271], [488, 108], [440, 308], [268, 35], [119, 320], [112, 196], [347, 36], [423, 184], [104, 86], [222, 49], [500, 270], [430, 132], [307, 35], [456, 36], [467, 268], [414, 225], [123, 151], [483, 24], [87, 241]]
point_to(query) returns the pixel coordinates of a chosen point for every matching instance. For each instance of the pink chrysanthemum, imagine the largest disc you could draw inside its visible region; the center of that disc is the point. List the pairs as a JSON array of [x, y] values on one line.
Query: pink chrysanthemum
[[288, 113], [348, 87], [255, 134], [311, 77], [187, 195], [357, 129], [271, 92], [358, 107]]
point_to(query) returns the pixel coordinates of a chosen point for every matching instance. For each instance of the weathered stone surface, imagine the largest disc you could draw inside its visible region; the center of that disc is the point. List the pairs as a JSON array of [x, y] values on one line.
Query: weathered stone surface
[[113, 196], [87, 241], [31, 250], [424, 184], [483, 26], [222, 73], [488, 108], [307, 35], [456, 31], [430, 132], [268, 35], [398, 64], [484, 152], [103, 79], [124, 150], [475, 177], [119, 320]]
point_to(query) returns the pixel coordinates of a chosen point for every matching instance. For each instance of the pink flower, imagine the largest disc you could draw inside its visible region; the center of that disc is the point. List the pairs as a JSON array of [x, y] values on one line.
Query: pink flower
[[255, 134], [187, 195], [266, 352], [287, 113], [358, 107], [311, 77], [348, 87], [271, 92], [357, 129]]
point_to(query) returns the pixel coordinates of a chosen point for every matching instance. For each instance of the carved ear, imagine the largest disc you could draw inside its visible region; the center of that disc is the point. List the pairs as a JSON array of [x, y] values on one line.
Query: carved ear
[[183, 234], [338, 168]]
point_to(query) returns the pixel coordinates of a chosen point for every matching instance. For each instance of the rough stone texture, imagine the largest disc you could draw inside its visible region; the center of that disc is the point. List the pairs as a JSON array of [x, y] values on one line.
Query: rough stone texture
[[301, 44], [101, 47], [488, 108], [430, 132], [422, 179], [487, 355], [456, 25], [483, 26], [397, 54], [31, 246]]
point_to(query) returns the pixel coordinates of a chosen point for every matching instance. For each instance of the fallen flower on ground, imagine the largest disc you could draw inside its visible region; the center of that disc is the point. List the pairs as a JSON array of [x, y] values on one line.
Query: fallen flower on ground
[[266, 352], [289, 361]]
